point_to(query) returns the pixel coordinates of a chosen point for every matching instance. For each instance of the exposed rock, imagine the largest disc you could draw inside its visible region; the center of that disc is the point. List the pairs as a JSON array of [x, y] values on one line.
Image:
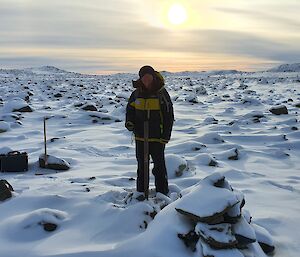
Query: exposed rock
[[235, 155], [205, 159], [190, 239], [210, 120], [5, 190], [264, 239], [279, 110], [55, 139], [23, 109], [58, 95], [49, 227], [213, 163], [217, 236], [89, 107], [221, 182], [195, 146], [53, 163], [268, 249], [231, 154]]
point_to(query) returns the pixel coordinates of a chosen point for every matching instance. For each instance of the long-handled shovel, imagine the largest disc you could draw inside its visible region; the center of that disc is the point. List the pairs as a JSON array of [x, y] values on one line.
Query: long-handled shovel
[[146, 159], [45, 141]]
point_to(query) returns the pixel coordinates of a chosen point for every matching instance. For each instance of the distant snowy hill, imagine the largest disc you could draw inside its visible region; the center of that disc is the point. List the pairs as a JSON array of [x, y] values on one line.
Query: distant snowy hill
[[43, 70], [223, 72], [195, 73], [46, 70], [295, 67]]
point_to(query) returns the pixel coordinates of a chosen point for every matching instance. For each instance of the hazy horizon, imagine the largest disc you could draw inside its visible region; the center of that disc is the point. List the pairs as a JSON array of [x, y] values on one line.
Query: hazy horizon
[[100, 37]]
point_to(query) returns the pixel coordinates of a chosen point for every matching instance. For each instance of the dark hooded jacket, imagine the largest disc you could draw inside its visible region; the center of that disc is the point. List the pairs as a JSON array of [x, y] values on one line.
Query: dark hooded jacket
[[155, 106]]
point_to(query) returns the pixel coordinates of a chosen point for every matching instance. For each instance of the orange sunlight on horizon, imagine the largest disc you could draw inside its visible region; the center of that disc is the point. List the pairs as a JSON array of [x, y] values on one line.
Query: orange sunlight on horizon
[[133, 59]]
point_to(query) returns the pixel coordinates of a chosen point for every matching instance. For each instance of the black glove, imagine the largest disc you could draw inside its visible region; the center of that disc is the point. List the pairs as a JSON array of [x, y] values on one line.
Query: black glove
[[129, 125], [137, 83]]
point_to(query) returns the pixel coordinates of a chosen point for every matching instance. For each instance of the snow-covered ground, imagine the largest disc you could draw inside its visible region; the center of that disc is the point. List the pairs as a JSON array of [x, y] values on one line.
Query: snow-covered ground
[[218, 115]]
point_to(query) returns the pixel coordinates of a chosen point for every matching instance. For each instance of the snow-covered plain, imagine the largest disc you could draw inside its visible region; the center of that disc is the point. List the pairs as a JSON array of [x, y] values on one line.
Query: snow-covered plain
[[223, 124]]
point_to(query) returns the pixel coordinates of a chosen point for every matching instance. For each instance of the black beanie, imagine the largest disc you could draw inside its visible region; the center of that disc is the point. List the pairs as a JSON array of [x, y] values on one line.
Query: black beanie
[[146, 70]]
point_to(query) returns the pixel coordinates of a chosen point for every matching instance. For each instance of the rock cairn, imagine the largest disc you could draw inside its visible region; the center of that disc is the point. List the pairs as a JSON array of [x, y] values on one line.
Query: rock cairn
[[220, 226]]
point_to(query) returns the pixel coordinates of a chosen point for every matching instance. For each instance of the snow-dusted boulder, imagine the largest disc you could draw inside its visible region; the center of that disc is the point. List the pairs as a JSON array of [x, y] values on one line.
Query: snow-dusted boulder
[[205, 159], [231, 154], [206, 202], [210, 120], [279, 110], [211, 138], [89, 107], [264, 239], [53, 163], [4, 126], [235, 213], [255, 116], [192, 98], [251, 101], [35, 223], [244, 232], [176, 165], [200, 90], [17, 105]]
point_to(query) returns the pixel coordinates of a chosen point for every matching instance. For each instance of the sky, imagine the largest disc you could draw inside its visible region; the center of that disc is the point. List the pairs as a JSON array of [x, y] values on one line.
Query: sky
[[112, 36]]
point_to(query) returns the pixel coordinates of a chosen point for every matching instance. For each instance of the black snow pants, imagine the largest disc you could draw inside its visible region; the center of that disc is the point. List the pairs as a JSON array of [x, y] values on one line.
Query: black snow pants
[[157, 152]]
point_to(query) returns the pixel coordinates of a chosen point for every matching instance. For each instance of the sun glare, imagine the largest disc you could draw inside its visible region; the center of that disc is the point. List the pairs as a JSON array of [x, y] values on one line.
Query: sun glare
[[177, 14]]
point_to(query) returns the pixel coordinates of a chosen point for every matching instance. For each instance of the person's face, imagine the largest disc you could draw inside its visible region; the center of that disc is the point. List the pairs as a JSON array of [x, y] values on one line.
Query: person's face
[[147, 80]]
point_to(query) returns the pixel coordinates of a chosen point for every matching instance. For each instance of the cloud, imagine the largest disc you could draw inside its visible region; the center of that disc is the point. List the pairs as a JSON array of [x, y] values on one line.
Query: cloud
[[283, 20], [117, 25]]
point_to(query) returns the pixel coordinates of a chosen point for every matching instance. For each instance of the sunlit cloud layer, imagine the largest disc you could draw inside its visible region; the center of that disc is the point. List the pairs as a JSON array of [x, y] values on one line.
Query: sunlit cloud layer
[[97, 36]]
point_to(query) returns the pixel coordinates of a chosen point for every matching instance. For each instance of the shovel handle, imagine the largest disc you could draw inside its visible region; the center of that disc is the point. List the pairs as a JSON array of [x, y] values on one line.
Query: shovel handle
[[45, 141], [146, 159]]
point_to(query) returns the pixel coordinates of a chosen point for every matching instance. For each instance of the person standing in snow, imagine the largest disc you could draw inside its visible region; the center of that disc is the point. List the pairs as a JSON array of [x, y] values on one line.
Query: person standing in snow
[[151, 102]]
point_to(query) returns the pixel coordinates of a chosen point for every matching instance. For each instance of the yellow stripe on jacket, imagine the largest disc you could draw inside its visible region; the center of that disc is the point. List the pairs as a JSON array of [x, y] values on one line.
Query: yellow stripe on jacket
[[151, 104], [150, 140]]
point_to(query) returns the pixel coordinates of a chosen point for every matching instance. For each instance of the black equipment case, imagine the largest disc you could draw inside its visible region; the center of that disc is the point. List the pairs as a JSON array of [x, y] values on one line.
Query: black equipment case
[[14, 162]]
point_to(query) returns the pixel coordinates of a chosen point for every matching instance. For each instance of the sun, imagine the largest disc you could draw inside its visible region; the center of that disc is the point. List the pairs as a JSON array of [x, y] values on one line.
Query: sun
[[177, 14]]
